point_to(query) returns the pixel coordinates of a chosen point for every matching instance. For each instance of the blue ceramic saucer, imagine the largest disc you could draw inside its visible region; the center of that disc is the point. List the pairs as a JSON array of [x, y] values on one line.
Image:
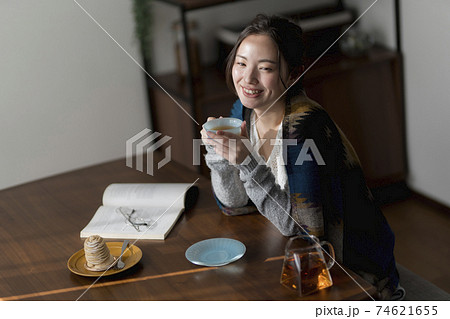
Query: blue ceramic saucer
[[215, 252]]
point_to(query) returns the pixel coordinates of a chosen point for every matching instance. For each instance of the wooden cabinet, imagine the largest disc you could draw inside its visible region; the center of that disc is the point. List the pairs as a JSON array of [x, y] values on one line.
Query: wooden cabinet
[[363, 96]]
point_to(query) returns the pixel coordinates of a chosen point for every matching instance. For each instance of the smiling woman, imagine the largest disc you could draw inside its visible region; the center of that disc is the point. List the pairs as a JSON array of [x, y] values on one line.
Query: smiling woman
[[286, 66], [323, 195], [256, 73]]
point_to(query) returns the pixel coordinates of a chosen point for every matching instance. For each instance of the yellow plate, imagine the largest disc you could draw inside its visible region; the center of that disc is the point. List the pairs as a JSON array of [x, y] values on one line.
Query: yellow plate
[[131, 257]]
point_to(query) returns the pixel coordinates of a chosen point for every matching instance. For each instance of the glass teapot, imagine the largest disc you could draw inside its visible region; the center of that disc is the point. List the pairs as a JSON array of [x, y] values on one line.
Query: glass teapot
[[304, 268]]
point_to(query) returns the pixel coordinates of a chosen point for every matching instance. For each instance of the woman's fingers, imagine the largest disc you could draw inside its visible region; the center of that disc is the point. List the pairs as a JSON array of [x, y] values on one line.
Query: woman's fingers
[[203, 132], [230, 146], [205, 137], [217, 139]]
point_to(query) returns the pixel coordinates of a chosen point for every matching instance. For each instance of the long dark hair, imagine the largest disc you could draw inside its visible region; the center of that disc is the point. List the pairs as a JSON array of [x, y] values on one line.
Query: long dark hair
[[288, 38]]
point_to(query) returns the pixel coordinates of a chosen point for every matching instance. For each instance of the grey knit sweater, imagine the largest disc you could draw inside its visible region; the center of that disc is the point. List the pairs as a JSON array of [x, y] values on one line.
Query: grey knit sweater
[[235, 185]]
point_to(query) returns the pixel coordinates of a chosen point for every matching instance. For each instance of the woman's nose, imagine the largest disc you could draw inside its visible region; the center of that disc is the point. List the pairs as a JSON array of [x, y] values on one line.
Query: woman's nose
[[250, 76]]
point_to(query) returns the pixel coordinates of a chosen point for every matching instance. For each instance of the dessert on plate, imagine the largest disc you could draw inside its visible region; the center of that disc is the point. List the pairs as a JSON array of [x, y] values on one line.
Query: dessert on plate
[[98, 256]]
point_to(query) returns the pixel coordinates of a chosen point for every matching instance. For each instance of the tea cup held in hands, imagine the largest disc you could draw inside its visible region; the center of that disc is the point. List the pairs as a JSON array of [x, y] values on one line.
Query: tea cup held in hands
[[225, 124]]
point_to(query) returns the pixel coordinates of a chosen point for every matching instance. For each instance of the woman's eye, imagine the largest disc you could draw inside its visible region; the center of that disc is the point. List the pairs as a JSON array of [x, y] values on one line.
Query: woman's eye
[[265, 69], [240, 63]]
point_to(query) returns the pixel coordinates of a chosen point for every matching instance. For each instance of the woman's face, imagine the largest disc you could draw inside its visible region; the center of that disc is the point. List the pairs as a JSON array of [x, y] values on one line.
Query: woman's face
[[256, 72]]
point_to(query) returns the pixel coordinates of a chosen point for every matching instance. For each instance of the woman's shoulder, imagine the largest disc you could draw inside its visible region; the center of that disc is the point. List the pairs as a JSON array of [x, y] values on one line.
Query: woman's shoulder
[[306, 117], [303, 106], [309, 120]]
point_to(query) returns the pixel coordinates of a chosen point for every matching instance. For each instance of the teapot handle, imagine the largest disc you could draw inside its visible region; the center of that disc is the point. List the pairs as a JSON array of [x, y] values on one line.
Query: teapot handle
[[331, 256]]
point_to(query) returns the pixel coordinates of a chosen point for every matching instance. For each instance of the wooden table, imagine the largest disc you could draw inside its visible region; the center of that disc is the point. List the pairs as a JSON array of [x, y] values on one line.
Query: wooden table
[[40, 227]]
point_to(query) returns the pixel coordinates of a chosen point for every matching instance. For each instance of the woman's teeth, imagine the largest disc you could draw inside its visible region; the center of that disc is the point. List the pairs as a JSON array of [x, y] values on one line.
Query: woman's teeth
[[251, 91]]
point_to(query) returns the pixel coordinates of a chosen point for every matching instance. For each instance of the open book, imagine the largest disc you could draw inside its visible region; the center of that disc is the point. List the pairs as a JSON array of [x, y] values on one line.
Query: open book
[[140, 211]]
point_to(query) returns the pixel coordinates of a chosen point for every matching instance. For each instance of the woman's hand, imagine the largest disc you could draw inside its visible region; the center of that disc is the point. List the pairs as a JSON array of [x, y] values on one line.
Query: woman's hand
[[228, 145], [203, 132]]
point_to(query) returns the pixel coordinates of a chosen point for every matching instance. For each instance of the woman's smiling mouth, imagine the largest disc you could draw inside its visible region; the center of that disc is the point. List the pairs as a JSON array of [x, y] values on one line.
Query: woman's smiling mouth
[[251, 92]]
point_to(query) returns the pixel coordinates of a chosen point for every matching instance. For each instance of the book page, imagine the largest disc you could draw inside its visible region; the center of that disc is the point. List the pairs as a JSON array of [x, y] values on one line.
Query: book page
[[145, 195], [110, 222]]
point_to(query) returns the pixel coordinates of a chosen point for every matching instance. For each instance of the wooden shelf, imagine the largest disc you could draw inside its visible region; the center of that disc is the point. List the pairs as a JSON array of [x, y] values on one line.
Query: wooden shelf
[[336, 63]]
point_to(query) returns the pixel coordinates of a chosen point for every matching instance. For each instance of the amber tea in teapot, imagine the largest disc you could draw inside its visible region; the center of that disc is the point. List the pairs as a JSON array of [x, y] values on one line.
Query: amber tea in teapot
[[304, 268]]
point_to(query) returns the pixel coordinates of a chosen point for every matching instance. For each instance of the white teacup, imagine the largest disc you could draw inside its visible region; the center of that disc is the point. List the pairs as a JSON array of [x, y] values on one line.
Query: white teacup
[[226, 124]]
